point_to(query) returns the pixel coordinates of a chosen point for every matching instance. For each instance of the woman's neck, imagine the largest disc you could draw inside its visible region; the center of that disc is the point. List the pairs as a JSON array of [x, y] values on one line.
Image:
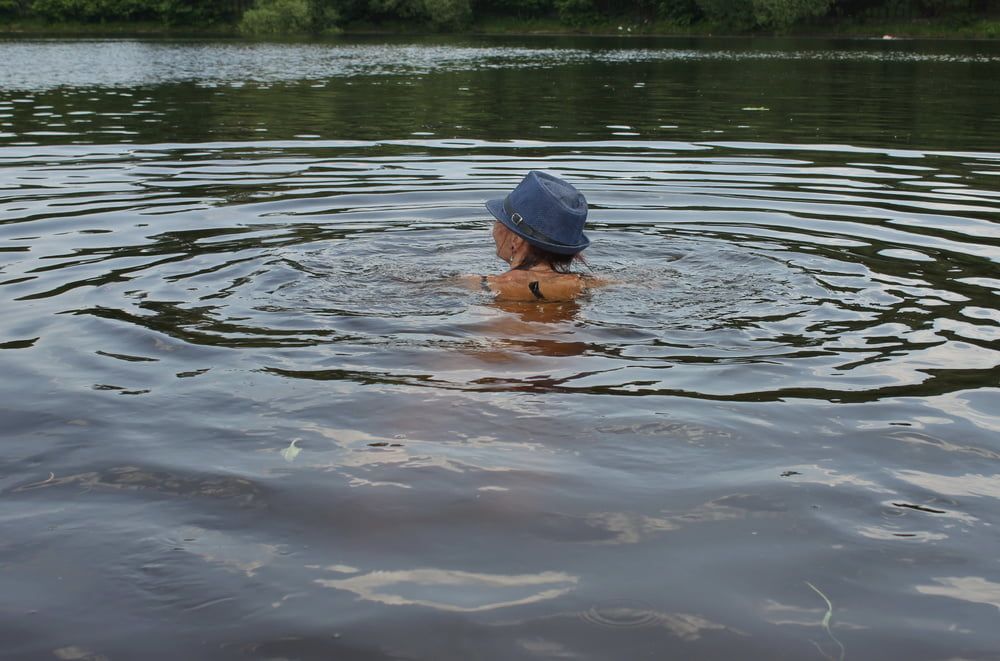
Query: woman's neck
[[535, 268]]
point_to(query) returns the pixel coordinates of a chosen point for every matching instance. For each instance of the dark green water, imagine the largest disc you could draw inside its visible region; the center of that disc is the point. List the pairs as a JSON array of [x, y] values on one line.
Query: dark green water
[[247, 413]]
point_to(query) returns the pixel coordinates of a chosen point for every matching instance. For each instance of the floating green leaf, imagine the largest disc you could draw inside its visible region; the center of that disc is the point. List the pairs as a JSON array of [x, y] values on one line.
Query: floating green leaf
[[291, 451], [826, 625]]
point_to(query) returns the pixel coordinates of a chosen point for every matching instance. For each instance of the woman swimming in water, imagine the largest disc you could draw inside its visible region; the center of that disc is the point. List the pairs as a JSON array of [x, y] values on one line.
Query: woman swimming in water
[[539, 232]]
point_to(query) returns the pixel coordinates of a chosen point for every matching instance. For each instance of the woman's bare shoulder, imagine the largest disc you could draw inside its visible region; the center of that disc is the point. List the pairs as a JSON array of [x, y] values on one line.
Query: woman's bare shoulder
[[535, 286]]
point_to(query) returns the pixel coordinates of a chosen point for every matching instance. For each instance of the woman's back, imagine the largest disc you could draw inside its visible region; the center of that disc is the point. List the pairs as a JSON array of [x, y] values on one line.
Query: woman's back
[[527, 285]]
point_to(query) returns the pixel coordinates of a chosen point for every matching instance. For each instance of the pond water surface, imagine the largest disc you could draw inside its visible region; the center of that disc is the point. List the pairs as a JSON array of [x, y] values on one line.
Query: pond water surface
[[247, 410]]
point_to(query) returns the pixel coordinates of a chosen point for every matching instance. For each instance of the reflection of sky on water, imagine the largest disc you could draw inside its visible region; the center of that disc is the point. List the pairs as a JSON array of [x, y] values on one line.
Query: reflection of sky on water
[[626, 614], [968, 485], [452, 590], [629, 527], [355, 450], [816, 474], [44, 64], [779, 613], [966, 588], [929, 441], [890, 534], [978, 407], [231, 551]]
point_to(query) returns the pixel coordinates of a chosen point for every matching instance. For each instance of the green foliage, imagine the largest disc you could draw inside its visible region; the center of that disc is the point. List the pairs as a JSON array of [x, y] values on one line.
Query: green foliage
[[172, 12], [728, 14], [93, 10], [518, 8], [200, 12], [576, 12], [12, 7], [323, 17], [447, 14], [395, 8], [763, 14], [277, 17], [289, 17], [436, 14], [682, 12], [910, 9], [782, 14]]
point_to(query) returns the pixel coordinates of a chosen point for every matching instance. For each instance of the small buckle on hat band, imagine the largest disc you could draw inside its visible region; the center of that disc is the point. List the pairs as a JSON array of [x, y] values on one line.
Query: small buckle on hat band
[[516, 218]]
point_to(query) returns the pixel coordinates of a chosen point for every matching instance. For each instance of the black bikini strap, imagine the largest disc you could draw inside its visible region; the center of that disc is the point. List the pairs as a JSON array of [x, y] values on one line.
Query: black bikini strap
[[535, 289]]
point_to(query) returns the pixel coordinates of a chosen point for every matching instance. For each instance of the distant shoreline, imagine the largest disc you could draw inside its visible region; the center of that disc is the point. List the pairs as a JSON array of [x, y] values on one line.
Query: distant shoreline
[[984, 29]]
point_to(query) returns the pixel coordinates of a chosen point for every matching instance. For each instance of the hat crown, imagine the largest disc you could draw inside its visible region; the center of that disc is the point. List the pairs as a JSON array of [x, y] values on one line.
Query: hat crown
[[550, 206]]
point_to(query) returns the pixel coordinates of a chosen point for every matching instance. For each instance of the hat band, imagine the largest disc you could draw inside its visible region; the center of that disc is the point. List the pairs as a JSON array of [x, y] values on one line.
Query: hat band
[[522, 225]]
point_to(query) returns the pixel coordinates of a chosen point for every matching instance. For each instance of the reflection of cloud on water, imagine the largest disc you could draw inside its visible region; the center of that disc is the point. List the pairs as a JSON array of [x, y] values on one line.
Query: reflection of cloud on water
[[227, 550], [452, 590], [966, 588], [626, 615], [683, 431], [628, 527], [356, 454], [548, 649], [922, 439], [970, 484], [891, 534], [632, 527], [977, 407], [162, 482], [778, 613], [816, 474], [76, 653]]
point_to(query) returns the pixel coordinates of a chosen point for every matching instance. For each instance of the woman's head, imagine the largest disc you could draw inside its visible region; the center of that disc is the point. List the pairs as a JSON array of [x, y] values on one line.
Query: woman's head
[[546, 213], [523, 255]]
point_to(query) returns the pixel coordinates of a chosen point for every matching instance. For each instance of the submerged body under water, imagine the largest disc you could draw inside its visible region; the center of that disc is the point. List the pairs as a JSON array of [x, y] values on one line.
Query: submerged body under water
[[251, 410]]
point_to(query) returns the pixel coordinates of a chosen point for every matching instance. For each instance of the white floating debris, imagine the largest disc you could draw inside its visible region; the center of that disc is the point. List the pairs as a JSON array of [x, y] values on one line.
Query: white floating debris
[[291, 451]]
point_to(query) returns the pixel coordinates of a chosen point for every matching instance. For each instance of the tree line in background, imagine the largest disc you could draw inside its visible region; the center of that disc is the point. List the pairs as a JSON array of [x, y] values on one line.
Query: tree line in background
[[319, 16]]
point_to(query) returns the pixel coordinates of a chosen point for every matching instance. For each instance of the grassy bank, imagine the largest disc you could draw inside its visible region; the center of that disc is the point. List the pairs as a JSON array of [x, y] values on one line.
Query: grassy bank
[[976, 29]]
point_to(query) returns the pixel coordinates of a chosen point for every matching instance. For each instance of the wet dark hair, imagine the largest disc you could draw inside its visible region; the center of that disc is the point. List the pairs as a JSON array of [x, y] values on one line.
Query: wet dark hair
[[557, 262]]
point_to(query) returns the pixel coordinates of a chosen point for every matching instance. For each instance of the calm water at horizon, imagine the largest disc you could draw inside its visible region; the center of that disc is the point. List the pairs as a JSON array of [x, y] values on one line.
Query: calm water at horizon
[[247, 410]]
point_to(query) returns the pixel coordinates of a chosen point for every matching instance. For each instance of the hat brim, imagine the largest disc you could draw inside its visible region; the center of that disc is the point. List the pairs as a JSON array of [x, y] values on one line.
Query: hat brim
[[495, 207]]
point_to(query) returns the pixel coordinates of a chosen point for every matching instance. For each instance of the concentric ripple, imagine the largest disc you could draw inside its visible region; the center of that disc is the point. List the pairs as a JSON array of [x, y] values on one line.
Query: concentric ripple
[[726, 273]]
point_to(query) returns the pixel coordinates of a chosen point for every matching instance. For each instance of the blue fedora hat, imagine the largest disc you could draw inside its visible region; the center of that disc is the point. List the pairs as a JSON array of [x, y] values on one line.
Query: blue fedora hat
[[545, 211]]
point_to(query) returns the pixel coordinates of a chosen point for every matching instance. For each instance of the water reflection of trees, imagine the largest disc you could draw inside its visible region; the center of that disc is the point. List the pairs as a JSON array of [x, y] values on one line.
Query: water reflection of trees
[[925, 104]]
